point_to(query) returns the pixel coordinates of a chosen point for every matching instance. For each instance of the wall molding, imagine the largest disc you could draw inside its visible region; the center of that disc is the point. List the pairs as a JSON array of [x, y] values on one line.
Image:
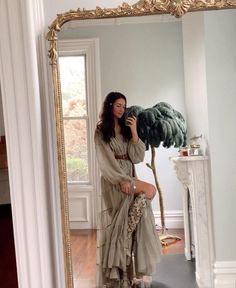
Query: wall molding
[[51, 166], [90, 48], [20, 23], [225, 274], [174, 219]]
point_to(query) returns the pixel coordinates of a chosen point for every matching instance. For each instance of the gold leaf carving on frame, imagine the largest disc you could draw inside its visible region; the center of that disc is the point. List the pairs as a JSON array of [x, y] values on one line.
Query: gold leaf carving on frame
[[179, 8], [143, 7]]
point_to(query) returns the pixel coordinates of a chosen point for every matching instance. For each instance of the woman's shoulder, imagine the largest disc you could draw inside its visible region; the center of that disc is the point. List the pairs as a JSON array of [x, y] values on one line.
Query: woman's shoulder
[[98, 134]]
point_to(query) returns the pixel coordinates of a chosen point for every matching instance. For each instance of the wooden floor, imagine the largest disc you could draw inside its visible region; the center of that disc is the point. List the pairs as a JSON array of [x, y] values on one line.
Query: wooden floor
[[83, 253], [83, 245]]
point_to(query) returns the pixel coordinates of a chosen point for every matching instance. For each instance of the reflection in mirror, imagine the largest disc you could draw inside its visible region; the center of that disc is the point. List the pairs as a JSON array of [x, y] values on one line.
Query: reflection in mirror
[[77, 63], [159, 77], [73, 83], [142, 58]]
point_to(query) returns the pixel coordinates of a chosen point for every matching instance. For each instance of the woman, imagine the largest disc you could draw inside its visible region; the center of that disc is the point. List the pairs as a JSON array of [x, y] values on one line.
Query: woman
[[128, 246]]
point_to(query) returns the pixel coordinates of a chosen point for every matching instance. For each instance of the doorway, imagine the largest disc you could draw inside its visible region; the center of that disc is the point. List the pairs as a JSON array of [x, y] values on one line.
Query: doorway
[[8, 274]]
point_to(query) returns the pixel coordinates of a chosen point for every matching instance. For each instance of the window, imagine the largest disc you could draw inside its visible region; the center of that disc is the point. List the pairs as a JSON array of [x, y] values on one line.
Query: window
[[80, 87], [75, 117]]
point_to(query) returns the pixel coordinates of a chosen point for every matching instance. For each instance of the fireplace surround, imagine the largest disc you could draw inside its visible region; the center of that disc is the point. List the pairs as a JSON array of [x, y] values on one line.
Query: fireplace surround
[[192, 172]]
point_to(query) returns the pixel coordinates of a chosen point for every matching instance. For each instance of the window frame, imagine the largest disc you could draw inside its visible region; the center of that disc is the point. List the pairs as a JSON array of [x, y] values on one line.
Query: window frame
[[89, 189]]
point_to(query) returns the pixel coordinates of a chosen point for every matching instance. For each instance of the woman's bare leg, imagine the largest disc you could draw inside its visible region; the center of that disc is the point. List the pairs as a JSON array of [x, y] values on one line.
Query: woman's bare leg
[[143, 187]]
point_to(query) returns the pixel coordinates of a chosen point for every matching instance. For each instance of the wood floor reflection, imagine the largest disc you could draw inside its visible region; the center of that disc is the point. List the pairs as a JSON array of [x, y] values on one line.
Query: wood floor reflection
[[83, 245]]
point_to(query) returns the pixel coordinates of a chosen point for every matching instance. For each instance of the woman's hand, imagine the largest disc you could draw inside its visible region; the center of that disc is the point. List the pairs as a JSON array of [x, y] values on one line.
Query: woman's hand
[[132, 123], [125, 187]]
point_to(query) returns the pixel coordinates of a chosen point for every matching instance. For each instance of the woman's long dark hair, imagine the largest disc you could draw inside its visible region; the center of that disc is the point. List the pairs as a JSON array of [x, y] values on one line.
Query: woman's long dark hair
[[106, 124]]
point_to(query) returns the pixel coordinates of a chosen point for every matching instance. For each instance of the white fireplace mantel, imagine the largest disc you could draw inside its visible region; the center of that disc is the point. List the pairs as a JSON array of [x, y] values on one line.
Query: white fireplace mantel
[[192, 172]]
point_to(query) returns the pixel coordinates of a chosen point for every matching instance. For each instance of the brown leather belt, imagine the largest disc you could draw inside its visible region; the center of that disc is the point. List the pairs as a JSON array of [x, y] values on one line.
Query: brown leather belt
[[126, 157], [122, 157]]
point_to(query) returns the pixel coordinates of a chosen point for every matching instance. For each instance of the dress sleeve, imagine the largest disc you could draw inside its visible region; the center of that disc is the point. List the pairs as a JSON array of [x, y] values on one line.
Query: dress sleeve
[[136, 151], [108, 165]]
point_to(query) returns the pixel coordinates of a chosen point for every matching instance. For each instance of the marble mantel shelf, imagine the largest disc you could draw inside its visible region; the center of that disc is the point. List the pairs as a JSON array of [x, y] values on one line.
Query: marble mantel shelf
[[188, 158], [192, 172]]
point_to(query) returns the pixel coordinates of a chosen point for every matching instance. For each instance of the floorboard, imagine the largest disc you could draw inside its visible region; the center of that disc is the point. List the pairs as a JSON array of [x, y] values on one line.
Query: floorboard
[[174, 271]]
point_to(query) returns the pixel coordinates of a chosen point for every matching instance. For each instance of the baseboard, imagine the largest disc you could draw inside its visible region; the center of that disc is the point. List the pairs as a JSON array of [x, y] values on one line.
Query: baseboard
[[78, 225], [225, 274], [174, 219]]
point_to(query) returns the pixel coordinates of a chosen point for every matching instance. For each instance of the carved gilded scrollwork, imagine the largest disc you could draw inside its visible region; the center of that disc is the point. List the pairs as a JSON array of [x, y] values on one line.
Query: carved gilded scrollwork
[[143, 7], [184, 176], [179, 7]]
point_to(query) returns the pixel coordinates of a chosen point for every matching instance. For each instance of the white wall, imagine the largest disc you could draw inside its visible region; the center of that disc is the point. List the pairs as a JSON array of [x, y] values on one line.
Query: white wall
[[210, 97], [20, 26], [195, 77], [144, 61], [221, 87]]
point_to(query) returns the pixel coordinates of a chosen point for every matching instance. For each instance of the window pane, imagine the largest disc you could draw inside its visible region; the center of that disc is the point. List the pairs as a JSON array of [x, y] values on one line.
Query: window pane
[[76, 149], [73, 85]]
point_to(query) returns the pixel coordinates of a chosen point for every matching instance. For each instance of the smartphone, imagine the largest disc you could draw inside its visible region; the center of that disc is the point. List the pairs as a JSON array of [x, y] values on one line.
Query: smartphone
[[126, 117]]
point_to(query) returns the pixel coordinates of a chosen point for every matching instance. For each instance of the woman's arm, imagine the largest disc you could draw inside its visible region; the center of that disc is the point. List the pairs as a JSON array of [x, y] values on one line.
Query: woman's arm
[[132, 123], [136, 148], [136, 151]]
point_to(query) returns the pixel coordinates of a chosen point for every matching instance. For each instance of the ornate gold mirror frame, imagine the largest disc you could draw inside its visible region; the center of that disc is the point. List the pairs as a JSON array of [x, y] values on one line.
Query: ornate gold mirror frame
[[142, 8]]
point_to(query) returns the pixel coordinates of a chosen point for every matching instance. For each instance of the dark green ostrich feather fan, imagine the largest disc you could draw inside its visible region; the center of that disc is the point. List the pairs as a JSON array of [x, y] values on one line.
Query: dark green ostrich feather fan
[[160, 124]]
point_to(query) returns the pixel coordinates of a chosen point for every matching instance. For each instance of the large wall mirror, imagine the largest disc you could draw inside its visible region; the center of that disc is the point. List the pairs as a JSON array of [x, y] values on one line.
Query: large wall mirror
[[93, 52]]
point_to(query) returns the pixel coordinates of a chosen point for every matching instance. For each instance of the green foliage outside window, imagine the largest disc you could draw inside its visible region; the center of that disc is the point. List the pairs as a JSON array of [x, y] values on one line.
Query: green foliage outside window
[[77, 169]]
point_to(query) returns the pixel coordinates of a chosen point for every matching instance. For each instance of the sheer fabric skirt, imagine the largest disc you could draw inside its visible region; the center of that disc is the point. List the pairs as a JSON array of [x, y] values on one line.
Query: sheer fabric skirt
[[127, 241]]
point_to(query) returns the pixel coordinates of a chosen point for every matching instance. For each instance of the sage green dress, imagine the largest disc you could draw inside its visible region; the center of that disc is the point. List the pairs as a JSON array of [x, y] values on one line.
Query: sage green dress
[[115, 251]]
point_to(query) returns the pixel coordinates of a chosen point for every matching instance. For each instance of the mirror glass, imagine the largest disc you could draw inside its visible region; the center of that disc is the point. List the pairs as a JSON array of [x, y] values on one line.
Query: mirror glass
[[141, 57]]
